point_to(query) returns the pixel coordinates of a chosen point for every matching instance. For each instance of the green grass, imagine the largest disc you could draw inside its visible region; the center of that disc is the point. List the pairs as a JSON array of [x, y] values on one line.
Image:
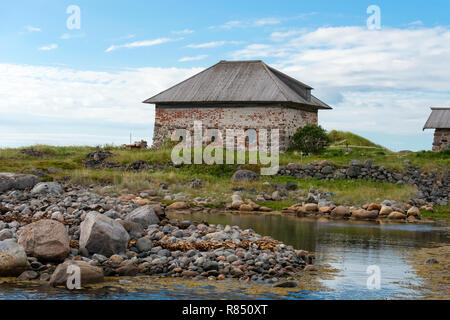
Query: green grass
[[343, 138], [217, 182], [439, 212]]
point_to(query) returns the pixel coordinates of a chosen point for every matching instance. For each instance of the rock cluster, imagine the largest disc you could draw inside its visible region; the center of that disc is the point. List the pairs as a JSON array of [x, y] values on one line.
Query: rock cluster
[[46, 231], [248, 205], [433, 187], [385, 210]]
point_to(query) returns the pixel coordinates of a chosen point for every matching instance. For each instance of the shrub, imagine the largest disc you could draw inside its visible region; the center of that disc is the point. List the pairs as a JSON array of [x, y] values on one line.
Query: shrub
[[310, 139]]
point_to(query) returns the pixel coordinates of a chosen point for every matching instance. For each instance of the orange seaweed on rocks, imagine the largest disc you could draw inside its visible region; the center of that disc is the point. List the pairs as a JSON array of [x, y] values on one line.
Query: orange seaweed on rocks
[[263, 244]]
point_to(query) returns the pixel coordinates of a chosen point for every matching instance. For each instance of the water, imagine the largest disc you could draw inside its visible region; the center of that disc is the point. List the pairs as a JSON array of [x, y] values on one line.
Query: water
[[349, 247]]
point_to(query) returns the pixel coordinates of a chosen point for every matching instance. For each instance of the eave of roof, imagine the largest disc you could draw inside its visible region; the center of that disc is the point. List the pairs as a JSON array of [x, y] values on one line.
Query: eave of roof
[[438, 119], [268, 83]]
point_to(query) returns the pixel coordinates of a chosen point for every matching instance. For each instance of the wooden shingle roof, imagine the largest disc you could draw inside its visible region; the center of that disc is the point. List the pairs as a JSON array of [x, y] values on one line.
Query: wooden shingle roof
[[239, 82], [439, 119]]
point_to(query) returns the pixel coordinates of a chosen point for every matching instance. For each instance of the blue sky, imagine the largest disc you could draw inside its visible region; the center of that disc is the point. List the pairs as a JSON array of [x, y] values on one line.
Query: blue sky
[[85, 86]]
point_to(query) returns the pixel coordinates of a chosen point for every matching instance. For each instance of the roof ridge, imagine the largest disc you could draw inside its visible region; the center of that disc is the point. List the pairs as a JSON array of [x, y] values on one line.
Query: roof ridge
[[273, 79], [178, 84]]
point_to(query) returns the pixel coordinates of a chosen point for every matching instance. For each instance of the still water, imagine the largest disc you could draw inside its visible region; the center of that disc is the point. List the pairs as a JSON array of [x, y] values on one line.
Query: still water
[[350, 247]]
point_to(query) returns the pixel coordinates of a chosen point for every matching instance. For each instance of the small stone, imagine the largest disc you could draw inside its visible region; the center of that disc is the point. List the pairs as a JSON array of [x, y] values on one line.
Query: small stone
[[28, 275], [413, 211], [144, 244]]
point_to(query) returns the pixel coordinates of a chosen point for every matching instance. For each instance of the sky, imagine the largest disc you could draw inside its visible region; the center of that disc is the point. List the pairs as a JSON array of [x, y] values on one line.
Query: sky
[[76, 72]]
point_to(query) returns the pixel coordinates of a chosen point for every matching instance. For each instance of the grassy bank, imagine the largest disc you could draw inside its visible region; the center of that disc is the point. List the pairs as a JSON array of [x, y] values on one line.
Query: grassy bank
[[217, 183]]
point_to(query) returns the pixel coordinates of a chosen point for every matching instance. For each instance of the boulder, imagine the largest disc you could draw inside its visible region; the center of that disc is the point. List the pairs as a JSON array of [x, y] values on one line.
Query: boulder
[[88, 273], [100, 234], [178, 205], [245, 175], [6, 234], [325, 209], [144, 216], [365, 214], [396, 215], [311, 207], [340, 212], [245, 207], [28, 275], [51, 188], [13, 259], [385, 211], [46, 240], [413, 211], [374, 206], [144, 244], [134, 229], [17, 181]]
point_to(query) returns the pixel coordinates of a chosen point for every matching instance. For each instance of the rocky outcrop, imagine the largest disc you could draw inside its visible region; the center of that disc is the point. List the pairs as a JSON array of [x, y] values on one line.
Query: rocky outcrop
[[46, 240], [17, 181], [13, 259], [103, 235], [88, 273]]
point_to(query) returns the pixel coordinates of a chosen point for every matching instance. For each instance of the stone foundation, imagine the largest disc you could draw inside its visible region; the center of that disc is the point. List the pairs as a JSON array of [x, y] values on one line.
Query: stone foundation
[[441, 139], [287, 120]]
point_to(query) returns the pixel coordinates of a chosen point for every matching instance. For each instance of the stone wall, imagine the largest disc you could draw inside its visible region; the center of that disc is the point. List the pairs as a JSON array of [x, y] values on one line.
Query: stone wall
[[433, 187], [288, 120], [441, 139]]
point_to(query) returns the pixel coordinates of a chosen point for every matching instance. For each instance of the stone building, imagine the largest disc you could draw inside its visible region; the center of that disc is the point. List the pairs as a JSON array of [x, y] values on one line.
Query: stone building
[[440, 121], [236, 95]]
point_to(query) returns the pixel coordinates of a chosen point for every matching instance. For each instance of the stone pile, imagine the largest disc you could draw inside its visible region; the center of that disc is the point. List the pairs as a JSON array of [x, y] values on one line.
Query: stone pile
[[433, 187], [387, 209], [51, 228]]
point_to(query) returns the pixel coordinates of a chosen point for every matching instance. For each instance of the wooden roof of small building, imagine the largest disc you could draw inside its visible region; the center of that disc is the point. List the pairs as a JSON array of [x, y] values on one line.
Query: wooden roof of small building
[[439, 119], [243, 82]]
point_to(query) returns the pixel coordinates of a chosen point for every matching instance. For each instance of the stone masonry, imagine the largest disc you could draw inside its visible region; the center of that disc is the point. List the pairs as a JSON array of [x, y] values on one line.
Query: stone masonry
[[287, 120], [441, 139]]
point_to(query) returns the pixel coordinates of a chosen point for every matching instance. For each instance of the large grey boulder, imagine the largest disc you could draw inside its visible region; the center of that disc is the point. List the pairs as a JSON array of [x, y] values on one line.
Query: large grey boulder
[[103, 235], [19, 181], [245, 175], [46, 240], [47, 188], [144, 216], [13, 259], [88, 273]]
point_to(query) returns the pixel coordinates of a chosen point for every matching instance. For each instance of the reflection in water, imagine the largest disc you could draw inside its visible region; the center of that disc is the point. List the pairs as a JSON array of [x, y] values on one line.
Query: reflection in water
[[348, 246]]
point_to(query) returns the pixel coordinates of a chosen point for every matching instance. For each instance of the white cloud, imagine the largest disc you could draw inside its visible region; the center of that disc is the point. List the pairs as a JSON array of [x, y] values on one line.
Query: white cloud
[[73, 98], [67, 36], [137, 44], [229, 25], [182, 32], [49, 47], [212, 44], [281, 36], [261, 22], [377, 81], [416, 23], [33, 29], [196, 58], [266, 21]]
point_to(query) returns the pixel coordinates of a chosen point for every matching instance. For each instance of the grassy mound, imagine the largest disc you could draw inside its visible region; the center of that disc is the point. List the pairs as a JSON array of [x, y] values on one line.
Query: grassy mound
[[342, 138]]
